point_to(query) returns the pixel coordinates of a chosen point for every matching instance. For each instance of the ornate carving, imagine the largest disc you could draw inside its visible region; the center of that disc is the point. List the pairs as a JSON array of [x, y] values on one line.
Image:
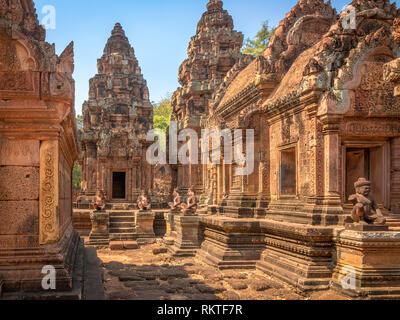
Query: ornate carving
[[17, 81], [375, 95], [49, 228], [60, 86], [367, 128]]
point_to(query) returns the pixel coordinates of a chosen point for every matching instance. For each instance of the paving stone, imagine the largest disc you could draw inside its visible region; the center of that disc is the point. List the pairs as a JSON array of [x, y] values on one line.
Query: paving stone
[[130, 278], [176, 274], [116, 245], [114, 265], [230, 295], [212, 275], [123, 273], [231, 274], [215, 288], [151, 294], [200, 296], [148, 276], [142, 285], [168, 289], [190, 290], [157, 251], [259, 285], [118, 295], [179, 282], [131, 245], [178, 297], [237, 284]]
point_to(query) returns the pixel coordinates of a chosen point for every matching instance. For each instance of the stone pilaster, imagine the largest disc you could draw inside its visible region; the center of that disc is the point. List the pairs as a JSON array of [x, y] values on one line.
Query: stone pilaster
[[188, 236], [145, 226], [49, 194]]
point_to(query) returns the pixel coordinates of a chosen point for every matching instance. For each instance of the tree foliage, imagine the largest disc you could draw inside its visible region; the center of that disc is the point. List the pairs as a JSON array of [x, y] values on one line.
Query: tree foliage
[[162, 114], [76, 176], [258, 45]]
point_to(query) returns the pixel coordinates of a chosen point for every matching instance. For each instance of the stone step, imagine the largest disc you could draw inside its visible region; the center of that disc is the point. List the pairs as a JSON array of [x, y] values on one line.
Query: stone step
[[122, 219], [97, 237], [121, 236], [121, 213], [93, 242], [124, 224], [122, 230], [124, 245]]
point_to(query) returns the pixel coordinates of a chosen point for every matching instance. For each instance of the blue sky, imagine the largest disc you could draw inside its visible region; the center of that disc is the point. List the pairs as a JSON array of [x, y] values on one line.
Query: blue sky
[[159, 31]]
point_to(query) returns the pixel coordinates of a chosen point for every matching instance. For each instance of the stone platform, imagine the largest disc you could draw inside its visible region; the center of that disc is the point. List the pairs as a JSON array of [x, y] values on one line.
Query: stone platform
[[188, 236], [300, 255], [368, 264], [86, 280], [231, 243]]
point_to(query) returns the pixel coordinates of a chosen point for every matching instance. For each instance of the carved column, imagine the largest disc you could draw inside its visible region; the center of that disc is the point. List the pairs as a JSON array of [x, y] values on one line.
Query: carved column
[[332, 199], [49, 194]]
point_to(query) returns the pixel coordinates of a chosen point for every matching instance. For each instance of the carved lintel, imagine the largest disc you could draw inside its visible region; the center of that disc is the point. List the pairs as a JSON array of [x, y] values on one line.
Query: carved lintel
[[48, 199]]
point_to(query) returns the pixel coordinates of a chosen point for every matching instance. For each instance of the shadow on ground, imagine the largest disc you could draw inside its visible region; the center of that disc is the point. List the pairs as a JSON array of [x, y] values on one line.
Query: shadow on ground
[[152, 282]]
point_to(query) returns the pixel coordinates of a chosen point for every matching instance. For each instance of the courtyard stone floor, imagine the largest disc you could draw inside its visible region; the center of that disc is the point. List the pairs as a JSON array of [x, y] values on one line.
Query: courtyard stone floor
[[148, 274]]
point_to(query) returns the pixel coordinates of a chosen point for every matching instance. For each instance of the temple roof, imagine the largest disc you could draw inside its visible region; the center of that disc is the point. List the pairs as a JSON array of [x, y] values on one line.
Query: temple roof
[[118, 42], [23, 14], [302, 27], [215, 18], [241, 82], [338, 52], [118, 55]]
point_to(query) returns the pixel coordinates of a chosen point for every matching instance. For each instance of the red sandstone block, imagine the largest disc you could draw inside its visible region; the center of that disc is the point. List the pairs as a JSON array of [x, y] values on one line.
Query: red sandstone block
[[19, 217], [19, 183], [117, 245], [131, 245]]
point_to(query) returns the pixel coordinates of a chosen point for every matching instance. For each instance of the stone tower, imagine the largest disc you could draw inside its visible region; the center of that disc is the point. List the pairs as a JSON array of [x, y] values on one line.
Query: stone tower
[[117, 117], [212, 53]]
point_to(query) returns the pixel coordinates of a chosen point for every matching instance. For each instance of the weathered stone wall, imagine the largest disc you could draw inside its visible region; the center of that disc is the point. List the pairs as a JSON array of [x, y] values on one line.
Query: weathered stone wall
[[37, 151]]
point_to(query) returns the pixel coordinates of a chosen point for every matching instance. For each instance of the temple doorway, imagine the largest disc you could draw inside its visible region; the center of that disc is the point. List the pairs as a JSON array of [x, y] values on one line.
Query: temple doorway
[[367, 163], [119, 185]]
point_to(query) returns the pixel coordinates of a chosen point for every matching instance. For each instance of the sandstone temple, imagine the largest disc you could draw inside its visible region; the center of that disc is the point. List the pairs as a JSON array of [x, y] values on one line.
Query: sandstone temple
[[116, 118], [323, 198]]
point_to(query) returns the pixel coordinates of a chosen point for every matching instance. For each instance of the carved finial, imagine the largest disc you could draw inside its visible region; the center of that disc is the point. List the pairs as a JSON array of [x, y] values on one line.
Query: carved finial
[[118, 30], [215, 5]]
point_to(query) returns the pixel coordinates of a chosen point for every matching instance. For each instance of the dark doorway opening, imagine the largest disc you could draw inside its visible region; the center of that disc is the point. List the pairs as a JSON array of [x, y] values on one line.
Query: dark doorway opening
[[119, 185], [288, 172], [365, 163]]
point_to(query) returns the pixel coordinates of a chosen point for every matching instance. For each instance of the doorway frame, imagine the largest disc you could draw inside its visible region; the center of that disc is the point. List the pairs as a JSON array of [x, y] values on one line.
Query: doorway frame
[[112, 171], [364, 144]]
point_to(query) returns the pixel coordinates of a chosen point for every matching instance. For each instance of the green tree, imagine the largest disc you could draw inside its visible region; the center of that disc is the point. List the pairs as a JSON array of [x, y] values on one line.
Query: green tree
[[77, 176], [162, 113], [258, 45]]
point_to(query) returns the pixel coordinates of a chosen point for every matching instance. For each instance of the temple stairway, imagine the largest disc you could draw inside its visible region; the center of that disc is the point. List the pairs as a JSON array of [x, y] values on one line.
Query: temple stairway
[[393, 220], [122, 225]]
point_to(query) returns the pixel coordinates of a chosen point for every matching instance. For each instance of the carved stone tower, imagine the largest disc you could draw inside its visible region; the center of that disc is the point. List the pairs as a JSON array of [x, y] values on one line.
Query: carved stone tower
[[212, 52], [117, 117]]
